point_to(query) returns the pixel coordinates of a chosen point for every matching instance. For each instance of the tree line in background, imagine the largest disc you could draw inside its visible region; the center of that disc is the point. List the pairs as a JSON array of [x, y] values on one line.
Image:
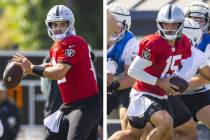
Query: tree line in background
[[22, 22]]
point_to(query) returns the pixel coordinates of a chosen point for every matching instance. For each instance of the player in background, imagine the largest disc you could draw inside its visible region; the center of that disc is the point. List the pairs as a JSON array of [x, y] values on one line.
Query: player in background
[[209, 23], [160, 56], [9, 116], [199, 12], [120, 55], [198, 64], [70, 64], [184, 125], [111, 24]]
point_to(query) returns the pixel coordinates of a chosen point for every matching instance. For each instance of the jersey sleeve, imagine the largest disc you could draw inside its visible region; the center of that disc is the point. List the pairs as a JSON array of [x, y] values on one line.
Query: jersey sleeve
[[191, 65], [70, 54], [207, 52], [200, 58], [131, 50], [187, 46], [146, 51]]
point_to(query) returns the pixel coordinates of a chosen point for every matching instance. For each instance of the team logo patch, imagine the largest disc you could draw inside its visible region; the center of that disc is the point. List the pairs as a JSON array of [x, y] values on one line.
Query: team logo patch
[[146, 54], [69, 52]]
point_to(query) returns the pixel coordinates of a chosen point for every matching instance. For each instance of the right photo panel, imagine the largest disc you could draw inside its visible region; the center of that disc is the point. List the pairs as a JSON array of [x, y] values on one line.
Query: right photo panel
[[158, 72]]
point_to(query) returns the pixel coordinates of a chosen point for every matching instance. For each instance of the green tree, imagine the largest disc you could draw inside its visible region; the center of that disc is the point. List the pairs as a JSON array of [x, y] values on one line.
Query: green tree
[[89, 20], [23, 22]]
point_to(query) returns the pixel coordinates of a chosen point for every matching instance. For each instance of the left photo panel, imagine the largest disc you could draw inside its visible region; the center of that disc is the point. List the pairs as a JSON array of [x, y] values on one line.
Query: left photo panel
[[51, 70]]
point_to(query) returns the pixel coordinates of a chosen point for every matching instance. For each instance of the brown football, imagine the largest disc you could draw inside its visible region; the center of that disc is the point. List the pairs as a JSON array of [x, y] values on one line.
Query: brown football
[[179, 82], [12, 75]]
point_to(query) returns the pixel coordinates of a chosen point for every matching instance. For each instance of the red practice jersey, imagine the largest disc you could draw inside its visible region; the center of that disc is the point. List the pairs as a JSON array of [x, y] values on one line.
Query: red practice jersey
[[79, 82], [165, 59]]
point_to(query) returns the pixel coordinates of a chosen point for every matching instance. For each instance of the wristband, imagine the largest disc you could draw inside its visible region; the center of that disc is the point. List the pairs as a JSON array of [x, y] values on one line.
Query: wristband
[[38, 70], [114, 86]]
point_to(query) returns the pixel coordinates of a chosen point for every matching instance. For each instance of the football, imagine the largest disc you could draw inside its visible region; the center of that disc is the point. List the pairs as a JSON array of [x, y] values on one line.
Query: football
[[12, 75], [179, 82]]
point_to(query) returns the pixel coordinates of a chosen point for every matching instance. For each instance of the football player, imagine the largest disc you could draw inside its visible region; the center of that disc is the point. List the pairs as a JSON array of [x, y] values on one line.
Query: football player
[[198, 64], [160, 55], [184, 124], [71, 65], [200, 14], [111, 24], [121, 53]]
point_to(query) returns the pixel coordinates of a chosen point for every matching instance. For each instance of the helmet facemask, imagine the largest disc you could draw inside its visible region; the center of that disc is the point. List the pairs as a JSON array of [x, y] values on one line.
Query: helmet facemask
[[170, 34], [202, 19], [193, 31], [57, 37], [199, 12], [170, 14], [118, 36], [122, 16]]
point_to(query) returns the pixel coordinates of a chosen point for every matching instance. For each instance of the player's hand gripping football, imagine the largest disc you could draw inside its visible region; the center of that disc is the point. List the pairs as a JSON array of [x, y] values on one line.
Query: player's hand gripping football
[[167, 86], [22, 61]]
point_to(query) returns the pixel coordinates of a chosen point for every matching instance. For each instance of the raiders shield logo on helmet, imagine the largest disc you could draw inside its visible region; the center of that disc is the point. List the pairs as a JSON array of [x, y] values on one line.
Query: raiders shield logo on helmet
[[69, 52]]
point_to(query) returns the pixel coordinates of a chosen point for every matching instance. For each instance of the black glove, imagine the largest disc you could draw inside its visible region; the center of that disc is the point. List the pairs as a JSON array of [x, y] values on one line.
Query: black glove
[[114, 86]]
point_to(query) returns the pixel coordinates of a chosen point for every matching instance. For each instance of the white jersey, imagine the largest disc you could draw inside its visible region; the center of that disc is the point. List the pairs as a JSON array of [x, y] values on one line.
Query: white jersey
[[130, 51], [204, 46], [190, 66], [207, 52]]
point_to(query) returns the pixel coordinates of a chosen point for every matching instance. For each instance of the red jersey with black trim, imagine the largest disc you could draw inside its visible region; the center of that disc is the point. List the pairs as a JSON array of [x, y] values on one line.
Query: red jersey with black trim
[[79, 82], [165, 59]]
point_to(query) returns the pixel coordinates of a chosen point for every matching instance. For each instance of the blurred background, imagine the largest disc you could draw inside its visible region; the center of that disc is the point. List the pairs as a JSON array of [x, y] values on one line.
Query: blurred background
[[23, 30], [143, 17], [144, 13]]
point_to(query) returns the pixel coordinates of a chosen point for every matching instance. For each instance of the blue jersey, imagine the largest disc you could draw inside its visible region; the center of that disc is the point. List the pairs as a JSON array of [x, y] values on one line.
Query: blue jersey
[[204, 43], [117, 51]]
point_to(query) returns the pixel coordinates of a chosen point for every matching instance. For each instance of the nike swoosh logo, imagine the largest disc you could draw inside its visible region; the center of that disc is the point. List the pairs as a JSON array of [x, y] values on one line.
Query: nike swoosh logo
[[71, 46]]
